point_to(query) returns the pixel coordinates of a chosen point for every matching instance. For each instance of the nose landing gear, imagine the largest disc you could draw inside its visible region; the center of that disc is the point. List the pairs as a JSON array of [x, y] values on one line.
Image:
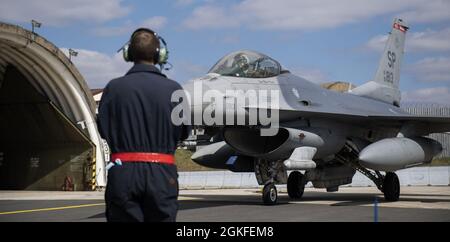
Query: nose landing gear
[[270, 194], [269, 173]]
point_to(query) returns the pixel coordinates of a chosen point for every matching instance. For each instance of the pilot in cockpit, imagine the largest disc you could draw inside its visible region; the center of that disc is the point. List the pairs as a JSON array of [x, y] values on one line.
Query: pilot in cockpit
[[247, 64], [241, 64]]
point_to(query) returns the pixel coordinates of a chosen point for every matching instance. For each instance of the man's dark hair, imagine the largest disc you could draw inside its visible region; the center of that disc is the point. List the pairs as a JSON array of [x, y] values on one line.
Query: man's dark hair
[[144, 46]]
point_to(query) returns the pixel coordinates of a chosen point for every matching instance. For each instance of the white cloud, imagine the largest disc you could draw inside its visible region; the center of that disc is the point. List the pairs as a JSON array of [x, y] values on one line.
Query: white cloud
[[431, 69], [429, 40], [99, 68], [439, 95], [423, 11], [155, 23], [226, 39], [62, 12], [312, 14], [210, 17], [309, 14], [378, 42], [107, 31]]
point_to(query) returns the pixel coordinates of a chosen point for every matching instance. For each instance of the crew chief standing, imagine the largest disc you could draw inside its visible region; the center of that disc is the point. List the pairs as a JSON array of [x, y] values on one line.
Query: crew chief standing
[[135, 119]]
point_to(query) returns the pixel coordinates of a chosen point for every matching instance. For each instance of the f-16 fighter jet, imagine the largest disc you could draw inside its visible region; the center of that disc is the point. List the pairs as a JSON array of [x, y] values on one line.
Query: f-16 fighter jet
[[264, 119]]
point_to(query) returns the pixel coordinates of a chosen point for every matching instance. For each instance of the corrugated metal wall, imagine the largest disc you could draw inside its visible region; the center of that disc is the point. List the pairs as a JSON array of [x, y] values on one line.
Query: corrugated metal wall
[[433, 110]]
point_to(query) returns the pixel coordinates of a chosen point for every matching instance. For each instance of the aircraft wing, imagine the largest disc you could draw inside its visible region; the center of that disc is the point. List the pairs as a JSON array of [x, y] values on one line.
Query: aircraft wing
[[422, 125], [419, 125], [430, 119]]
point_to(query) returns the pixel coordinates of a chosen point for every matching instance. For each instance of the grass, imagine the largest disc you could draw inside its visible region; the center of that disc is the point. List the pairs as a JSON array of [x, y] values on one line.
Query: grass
[[184, 162], [441, 162]]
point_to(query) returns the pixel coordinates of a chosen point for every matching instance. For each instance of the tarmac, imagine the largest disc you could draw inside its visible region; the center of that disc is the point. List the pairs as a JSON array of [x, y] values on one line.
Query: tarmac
[[352, 204]]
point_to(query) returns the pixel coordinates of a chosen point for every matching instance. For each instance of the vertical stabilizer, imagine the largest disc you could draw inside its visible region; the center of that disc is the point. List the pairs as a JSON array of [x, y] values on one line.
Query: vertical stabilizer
[[385, 85]]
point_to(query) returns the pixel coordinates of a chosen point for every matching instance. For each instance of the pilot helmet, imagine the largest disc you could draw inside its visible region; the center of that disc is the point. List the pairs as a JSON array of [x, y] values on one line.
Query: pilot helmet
[[241, 61]]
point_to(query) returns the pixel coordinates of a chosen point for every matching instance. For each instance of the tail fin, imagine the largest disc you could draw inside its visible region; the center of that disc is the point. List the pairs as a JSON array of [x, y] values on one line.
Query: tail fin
[[385, 85]]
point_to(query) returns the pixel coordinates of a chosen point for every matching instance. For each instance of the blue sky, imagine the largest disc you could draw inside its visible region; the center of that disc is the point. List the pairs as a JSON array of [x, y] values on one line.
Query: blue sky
[[322, 40]]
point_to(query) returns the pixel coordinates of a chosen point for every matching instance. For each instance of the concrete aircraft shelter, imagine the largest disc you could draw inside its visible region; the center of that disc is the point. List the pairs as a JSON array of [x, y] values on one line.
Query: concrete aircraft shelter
[[48, 134]]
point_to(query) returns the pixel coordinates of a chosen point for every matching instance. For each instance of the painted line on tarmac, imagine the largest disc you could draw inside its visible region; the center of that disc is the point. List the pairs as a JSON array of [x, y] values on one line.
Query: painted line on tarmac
[[400, 204], [186, 198], [73, 207], [52, 209]]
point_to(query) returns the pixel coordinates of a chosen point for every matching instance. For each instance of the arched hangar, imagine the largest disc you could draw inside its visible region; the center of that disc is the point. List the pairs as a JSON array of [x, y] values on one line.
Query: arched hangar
[[48, 135]]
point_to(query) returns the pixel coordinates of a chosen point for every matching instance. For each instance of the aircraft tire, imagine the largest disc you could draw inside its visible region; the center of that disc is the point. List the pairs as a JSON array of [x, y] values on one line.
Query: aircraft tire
[[391, 187], [296, 185], [270, 194]]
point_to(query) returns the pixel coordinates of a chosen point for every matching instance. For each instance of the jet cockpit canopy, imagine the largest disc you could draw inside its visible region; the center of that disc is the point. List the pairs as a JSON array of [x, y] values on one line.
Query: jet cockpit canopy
[[247, 64]]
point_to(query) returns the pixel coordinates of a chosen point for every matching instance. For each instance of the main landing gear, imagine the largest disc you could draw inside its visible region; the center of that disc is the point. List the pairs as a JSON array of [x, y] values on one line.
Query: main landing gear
[[388, 184], [296, 185], [391, 187]]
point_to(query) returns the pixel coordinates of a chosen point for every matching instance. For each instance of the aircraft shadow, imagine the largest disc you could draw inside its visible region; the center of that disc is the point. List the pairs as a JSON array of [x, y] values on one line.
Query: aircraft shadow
[[358, 199], [100, 215], [222, 200]]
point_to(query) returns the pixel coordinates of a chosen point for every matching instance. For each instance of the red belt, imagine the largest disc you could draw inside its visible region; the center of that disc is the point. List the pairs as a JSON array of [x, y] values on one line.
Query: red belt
[[144, 157]]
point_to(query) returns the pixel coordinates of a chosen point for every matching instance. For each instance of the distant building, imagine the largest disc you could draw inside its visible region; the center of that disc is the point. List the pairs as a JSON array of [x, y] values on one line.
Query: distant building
[[437, 110], [338, 86], [97, 93]]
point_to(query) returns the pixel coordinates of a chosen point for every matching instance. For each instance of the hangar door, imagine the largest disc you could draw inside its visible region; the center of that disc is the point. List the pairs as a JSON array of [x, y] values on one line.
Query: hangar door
[[40, 148]]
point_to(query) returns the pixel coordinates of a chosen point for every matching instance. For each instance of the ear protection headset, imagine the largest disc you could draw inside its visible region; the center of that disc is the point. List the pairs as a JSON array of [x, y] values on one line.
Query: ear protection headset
[[161, 54]]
